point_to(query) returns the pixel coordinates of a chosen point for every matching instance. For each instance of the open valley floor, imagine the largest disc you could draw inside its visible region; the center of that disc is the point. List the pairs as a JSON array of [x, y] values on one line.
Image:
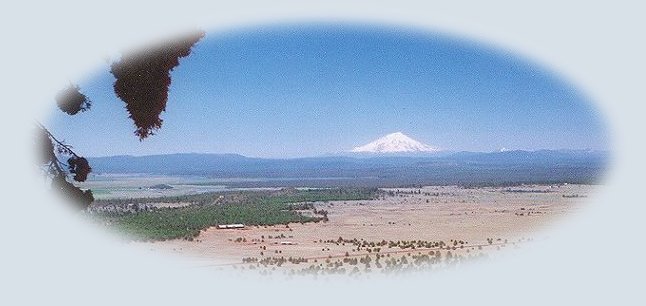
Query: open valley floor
[[400, 229]]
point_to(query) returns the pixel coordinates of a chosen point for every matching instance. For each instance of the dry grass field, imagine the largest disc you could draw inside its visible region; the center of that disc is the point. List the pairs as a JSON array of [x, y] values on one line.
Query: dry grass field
[[406, 228]]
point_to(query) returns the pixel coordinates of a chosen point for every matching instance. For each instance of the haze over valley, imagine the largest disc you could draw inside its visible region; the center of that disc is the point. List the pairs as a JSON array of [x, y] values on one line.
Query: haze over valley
[[393, 160]]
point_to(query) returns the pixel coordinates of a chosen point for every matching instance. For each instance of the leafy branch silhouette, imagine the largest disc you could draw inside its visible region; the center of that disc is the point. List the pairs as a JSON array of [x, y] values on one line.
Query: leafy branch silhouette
[[142, 82]]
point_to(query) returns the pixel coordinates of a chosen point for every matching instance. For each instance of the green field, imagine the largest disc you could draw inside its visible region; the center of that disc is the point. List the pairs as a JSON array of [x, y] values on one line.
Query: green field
[[210, 209]]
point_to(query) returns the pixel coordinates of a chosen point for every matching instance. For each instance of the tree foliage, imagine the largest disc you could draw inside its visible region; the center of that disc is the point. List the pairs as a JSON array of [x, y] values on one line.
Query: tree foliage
[[142, 82], [52, 151], [71, 101], [143, 79]]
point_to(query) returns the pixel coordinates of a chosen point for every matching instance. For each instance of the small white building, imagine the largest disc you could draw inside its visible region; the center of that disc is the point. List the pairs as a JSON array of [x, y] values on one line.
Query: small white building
[[230, 226]]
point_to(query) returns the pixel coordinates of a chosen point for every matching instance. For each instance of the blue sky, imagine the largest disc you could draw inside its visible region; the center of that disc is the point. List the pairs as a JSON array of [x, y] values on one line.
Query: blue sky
[[308, 90]]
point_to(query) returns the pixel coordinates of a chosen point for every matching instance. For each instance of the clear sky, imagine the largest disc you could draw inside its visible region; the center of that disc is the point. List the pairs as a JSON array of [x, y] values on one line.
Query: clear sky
[[308, 90]]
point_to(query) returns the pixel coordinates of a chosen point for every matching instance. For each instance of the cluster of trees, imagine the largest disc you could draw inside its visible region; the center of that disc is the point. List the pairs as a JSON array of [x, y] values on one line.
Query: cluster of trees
[[275, 261], [376, 246], [142, 81], [188, 221]]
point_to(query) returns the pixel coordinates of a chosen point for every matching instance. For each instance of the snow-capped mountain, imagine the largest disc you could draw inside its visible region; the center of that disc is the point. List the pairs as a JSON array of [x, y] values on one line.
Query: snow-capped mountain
[[394, 143]]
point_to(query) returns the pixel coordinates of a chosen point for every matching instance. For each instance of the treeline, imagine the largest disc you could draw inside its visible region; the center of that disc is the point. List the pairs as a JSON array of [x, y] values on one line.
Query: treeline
[[249, 208], [285, 195]]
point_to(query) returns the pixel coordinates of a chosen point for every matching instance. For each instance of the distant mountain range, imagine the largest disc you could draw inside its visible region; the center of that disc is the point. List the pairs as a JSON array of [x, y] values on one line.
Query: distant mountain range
[[544, 166]]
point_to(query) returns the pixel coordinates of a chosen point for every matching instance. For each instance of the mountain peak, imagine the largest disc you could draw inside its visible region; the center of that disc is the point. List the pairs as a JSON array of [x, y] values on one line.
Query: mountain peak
[[396, 142]]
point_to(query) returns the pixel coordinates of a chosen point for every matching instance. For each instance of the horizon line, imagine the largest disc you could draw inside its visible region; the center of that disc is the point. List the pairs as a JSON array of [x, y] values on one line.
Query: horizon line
[[355, 154]]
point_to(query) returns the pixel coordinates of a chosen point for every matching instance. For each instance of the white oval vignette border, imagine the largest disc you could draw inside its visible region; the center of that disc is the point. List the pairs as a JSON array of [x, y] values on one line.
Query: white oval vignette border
[[596, 47]]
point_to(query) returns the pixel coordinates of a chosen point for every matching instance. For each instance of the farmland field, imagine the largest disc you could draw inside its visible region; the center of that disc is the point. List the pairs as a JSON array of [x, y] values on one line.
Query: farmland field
[[201, 211], [345, 230]]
